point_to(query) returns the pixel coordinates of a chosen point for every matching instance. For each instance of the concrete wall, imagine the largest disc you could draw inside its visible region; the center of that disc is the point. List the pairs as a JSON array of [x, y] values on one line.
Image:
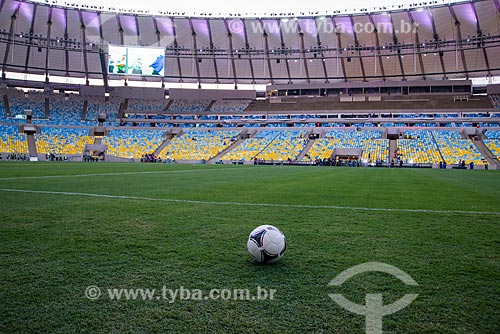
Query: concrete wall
[[92, 91], [210, 94], [137, 93], [493, 89]]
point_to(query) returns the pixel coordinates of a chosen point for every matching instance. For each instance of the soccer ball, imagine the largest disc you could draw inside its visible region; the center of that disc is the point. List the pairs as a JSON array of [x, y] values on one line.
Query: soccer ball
[[266, 244]]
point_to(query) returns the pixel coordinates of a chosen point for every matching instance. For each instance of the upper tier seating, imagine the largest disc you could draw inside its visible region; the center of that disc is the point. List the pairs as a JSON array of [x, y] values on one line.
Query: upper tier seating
[[188, 106], [98, 106], [198, 145], [492, 134], [224, 106], [495, 100], [65, 110], [146, 105], [34, 101], [353, 139], [304, 103]]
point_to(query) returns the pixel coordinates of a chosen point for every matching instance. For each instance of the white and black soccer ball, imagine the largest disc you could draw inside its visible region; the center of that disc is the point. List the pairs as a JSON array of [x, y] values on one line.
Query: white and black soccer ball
[[266, 244]]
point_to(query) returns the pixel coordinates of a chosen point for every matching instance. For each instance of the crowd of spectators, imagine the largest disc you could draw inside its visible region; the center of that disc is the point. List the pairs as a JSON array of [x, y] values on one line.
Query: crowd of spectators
[[14, 156], [150, 157]]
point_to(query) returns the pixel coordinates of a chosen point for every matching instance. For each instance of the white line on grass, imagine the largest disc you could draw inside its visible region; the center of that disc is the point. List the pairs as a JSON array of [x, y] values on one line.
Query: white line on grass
[[118, 173], [272, 205]]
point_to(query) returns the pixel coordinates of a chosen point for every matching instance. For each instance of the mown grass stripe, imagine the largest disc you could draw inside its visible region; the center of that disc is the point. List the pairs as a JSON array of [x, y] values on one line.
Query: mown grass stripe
[[273, 205]]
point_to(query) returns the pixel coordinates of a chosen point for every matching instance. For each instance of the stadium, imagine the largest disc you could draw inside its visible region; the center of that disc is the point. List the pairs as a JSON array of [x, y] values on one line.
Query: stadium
[[141, 143]]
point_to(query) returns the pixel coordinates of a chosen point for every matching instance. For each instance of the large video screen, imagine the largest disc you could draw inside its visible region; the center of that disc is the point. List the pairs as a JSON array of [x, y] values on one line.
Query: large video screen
[[136, 60]]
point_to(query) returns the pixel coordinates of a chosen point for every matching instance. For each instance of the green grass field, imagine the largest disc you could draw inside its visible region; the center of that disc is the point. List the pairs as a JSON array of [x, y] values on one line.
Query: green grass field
[[186, 226]]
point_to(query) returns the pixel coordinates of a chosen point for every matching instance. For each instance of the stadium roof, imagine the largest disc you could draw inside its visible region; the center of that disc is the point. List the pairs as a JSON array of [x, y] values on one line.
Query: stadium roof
[[255, 8], [439, 42]]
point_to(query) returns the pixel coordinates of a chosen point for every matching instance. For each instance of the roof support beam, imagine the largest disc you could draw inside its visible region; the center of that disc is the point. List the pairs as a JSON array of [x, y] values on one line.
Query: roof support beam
[[417, 45], [84, 46], [66, 37], [497, 4], [176, 47], [358, 48], [49, 28], [396, 42], [120, 29], [247, 46], [304, 54], [339, 48], [32, 31], [137, 31], [196, 57], [157, 32], [231, 53], [104, 66], [2, 3], [284, 51], [158, 42], [436, 41], [266, 55], [480, 36], [377, 43], [458, 40], [212, 51], [13, 19], [321, 52]]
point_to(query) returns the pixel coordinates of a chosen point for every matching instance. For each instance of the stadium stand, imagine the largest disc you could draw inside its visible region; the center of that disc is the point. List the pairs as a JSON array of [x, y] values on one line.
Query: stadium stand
[[375, 150], [286, 145], [388, 103], [62, 141], [199, 144], [189, 106], [146, 105], [322, 149], [493, 142], [454, 148], [64, 110], [495, 100], [250, 148], [373, 146], [224, 106], [32, 100], [98, 106], [418, 147], [353, 139], [134, 144], [11, 141]]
